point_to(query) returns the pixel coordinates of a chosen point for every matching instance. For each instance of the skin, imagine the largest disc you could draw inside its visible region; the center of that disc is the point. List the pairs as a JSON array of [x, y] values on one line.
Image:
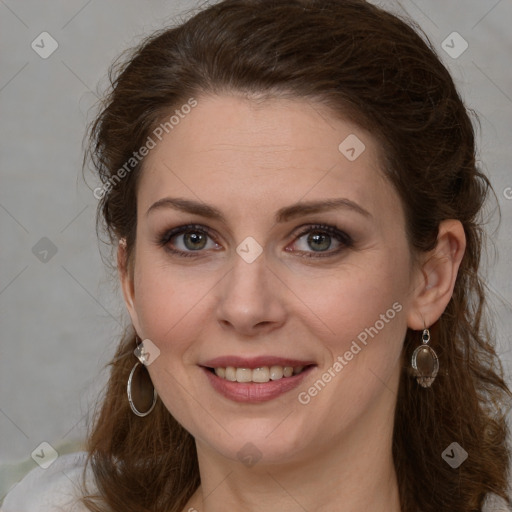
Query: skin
[[249, 159]]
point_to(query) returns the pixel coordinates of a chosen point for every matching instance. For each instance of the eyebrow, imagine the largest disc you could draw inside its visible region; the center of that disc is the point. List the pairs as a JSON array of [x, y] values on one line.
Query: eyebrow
[[283, 215]]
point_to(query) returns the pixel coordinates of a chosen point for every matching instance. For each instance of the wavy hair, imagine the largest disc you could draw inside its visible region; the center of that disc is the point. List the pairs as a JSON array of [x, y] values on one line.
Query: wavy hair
[[382, 73]]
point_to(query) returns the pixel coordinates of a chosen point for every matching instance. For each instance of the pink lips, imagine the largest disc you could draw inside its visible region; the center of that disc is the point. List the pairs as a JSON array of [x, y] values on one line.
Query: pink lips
[[254, 392]]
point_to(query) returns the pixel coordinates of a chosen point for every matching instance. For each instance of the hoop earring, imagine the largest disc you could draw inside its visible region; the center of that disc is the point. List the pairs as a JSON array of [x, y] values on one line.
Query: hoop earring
[[134, 409], [425, 362]]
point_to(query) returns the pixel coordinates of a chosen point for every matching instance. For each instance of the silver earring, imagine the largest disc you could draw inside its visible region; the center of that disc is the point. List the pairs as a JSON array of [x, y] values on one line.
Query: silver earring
[[425, 362], [141, 356]]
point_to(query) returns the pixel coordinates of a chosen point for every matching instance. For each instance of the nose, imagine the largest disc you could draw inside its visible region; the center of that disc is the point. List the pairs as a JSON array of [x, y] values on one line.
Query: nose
[[251, 299]]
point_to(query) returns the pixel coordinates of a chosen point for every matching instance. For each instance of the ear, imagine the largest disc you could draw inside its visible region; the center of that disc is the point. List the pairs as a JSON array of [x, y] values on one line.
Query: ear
[[125, 272], [437, 275]]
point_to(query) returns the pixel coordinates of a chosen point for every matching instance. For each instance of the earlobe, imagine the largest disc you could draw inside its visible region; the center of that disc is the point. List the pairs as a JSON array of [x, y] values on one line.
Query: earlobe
[[438, 274]]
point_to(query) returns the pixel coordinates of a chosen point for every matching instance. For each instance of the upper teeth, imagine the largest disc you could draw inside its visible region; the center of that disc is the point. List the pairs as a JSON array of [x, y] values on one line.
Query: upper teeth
[[263, 374]]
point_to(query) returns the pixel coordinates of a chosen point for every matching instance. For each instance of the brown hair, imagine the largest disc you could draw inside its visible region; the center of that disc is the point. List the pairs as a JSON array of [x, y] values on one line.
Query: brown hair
[[367, 65]]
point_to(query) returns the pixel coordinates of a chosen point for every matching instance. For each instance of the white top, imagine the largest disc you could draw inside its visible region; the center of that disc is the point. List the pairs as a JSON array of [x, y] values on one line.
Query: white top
[[56, 489]]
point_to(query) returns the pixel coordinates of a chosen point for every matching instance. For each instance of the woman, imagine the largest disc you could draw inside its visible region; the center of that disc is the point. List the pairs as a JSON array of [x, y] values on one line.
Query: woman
[[292, 191]]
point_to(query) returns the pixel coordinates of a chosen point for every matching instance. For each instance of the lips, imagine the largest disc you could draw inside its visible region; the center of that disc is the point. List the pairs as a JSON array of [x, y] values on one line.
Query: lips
[[255, 379]]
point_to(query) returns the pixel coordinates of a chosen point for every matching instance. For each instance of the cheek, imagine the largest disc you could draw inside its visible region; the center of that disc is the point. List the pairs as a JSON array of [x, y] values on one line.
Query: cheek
[[363, 308], [170, 303], [367, 325], [354, 297], [159, 299]]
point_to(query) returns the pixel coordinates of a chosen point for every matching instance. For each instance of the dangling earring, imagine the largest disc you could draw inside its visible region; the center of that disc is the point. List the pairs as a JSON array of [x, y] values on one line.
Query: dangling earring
[[425, 362], [141, 356]]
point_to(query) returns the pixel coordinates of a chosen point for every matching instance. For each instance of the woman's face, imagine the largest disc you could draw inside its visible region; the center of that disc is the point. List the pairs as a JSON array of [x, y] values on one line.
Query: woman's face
[[297, 256]]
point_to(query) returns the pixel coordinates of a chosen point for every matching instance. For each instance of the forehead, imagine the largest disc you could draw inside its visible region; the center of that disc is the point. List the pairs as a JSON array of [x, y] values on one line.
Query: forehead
[[232, 151]]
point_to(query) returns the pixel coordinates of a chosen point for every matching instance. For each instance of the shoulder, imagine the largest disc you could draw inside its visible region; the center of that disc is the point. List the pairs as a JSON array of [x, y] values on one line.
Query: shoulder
[[494, 503], [54, 489]]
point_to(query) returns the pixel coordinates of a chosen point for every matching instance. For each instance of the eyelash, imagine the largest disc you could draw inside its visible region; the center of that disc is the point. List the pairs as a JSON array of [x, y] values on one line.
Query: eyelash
[[333, 231]]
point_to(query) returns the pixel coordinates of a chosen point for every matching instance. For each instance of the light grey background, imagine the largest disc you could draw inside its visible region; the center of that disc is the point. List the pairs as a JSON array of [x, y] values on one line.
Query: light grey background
[[60, 320]]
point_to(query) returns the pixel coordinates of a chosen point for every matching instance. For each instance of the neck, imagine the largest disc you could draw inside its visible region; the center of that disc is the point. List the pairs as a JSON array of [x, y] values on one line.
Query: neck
[[350, 474]]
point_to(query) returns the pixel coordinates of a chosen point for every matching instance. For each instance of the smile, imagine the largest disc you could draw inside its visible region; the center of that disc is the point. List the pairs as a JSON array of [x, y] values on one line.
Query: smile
[[259, 383], [259, 375]]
